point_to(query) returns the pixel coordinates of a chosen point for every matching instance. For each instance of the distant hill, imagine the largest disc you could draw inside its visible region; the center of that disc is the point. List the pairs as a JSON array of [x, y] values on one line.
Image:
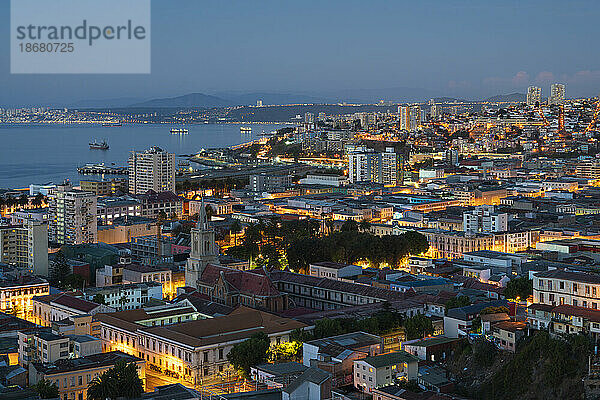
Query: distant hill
[[101, 103], [195, 100], [269, 98], [450, 100], [513, 97], [372, 96]]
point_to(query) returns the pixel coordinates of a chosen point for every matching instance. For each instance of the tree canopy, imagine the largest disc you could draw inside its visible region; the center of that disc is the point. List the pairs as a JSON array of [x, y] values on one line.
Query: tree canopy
[[122, 380], [418, 326], [46, 389], [519, 287], [351, 246], [249, 353]]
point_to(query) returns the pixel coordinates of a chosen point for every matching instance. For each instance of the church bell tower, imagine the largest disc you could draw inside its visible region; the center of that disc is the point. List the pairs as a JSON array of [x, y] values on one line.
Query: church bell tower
[[204, 249]]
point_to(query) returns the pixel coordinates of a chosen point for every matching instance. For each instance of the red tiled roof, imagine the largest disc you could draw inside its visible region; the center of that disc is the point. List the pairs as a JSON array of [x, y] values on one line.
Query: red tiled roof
[[75, 303], [241, 281], [587, 313]]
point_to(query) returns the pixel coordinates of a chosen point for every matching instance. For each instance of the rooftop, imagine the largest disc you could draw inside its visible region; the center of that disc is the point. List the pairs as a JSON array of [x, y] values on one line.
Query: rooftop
[[242, 323], [569, 275], [387, 359], [83, 363]]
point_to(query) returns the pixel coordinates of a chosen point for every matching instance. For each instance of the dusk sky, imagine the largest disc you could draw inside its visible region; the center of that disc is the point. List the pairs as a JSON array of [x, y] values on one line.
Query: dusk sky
[[468, 49]]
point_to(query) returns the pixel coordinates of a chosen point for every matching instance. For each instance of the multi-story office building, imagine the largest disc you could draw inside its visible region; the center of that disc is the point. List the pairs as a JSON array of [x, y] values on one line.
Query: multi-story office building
[[390, 168], [366, 165], [72, 216], [436, 111], [154, 203], [534, 96], [557, 94], [404, 114], [360, 164], [150, 250], [153, 169], [25, 246], [103, 187], [416, 117], [110, 208], [484, 220], [268, 183]]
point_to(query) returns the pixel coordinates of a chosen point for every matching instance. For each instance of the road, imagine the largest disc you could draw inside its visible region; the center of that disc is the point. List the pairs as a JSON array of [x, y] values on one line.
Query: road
[[212, 386], [154, 379]]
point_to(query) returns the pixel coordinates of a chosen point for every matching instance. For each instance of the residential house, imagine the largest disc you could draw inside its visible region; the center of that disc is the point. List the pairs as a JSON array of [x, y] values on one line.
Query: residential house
[[376, 371]]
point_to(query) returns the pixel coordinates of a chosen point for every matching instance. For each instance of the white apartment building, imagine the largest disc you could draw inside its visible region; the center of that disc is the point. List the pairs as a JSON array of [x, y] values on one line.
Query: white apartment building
[[404, 114], [436, 111], [534, 95], [557, 94], [128, 296], [376, 371], [557, 287], [484, 220], [359, 166], [152, 169], [26, 246], [390, 168], [366, 165], [72, 216]]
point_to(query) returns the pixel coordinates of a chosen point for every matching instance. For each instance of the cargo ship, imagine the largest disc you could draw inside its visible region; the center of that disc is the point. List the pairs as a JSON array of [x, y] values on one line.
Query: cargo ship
[[99, 145]]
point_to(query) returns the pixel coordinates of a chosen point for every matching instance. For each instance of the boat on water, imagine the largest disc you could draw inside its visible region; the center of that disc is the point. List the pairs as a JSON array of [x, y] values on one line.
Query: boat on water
[[99, 145], [112, 124], [245, 129], [175, 131]]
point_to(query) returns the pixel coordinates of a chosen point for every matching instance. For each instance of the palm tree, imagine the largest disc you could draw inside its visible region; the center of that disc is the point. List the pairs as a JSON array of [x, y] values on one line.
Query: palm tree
[[46, 389], [101, 387], [122, 380], [329, 224], [235, 228]]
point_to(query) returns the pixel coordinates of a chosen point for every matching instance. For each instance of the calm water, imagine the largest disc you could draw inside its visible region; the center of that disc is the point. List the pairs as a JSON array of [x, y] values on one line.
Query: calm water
[[42, 154]]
